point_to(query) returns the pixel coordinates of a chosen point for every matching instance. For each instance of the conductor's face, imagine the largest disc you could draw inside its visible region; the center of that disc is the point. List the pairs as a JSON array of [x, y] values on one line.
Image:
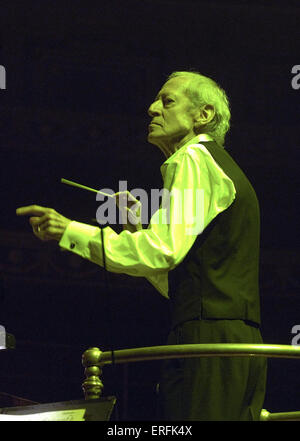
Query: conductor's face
[[173, 117]]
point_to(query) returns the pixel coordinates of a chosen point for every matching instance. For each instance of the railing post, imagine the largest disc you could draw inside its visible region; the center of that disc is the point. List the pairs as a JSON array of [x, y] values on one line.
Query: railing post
[[92, 385], [264, 415]]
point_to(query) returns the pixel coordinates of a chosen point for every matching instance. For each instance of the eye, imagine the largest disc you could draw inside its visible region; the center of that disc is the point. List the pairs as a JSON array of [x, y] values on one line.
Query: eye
[[168, 100]]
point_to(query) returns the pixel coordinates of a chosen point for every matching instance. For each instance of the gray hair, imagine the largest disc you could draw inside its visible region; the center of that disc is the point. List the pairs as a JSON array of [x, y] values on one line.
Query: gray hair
[[202, 90]]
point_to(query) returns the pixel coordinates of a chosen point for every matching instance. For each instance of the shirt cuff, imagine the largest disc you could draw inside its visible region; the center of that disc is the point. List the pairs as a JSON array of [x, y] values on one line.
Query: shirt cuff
[[76, 238]]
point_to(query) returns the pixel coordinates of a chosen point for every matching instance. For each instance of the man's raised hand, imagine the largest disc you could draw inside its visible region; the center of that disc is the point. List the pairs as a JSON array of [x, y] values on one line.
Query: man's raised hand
[[46, 223]]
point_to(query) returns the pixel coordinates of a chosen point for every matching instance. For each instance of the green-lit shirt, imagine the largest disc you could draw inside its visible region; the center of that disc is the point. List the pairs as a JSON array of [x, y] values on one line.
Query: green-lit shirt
[[199, 189]]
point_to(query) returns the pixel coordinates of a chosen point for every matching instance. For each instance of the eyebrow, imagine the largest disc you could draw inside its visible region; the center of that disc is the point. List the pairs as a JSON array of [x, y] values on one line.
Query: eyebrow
[[164, 94]]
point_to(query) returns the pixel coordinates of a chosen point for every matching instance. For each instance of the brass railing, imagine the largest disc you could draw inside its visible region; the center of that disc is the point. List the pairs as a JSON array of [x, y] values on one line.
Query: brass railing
[[93, 360]]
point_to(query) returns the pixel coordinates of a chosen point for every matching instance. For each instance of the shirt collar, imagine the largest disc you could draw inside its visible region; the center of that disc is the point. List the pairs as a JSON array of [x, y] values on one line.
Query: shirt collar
[[202, 137]]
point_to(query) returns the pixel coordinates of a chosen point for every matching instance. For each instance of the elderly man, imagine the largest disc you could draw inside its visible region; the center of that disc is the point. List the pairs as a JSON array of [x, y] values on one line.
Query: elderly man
[[206, 264]]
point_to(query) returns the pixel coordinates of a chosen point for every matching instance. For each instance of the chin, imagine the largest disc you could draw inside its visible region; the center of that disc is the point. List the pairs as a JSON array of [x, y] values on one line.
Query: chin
[[151, 139]]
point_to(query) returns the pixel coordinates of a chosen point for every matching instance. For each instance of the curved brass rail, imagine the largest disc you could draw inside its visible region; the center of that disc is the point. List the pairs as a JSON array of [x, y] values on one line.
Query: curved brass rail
[[187, 351], [93, 360], [281, 416]]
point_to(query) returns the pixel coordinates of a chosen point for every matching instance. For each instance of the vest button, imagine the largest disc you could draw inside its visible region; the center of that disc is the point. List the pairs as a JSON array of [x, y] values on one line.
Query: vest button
[[72, 245]]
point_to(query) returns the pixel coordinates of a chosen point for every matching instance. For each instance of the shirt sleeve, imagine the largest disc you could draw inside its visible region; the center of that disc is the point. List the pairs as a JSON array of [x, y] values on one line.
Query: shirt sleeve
[[196, 190]]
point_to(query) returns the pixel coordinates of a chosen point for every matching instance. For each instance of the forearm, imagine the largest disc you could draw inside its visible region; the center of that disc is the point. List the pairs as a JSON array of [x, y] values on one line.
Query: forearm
[[140, 254]]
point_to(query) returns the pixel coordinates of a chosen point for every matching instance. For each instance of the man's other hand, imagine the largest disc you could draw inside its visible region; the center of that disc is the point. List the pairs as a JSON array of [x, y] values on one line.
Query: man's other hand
[[46, 223], [130, 209]]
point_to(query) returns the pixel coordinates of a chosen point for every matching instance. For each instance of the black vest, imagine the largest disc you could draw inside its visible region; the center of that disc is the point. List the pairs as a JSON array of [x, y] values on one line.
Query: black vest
[[218, 278]]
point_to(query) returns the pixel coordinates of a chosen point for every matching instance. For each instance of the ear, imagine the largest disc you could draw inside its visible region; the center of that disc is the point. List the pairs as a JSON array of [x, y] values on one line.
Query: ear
[[206, 114], [203, 117]]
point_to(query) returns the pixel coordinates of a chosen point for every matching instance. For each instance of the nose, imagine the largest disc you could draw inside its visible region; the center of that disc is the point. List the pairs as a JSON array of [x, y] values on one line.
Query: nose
[[153, 110]]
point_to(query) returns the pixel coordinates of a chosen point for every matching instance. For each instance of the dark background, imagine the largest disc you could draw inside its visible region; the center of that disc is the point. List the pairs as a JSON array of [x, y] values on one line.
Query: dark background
[[80, 77]]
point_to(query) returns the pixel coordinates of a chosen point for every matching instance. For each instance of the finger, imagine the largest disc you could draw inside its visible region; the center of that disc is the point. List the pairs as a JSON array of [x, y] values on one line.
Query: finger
[[35, 210], [42, 235], [121, 199], [40, 224], [48, 232], [35, 221], [134, 205], [36, 230], [125, 197], [133, 218], [41, 231], [116, 197]]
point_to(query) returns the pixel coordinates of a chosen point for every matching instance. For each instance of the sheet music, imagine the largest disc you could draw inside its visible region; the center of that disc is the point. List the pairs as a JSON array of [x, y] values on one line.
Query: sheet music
[[61, 415]]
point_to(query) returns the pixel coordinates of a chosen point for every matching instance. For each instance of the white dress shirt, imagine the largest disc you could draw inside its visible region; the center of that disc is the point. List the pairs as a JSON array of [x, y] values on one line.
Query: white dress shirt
[[196, 191]]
